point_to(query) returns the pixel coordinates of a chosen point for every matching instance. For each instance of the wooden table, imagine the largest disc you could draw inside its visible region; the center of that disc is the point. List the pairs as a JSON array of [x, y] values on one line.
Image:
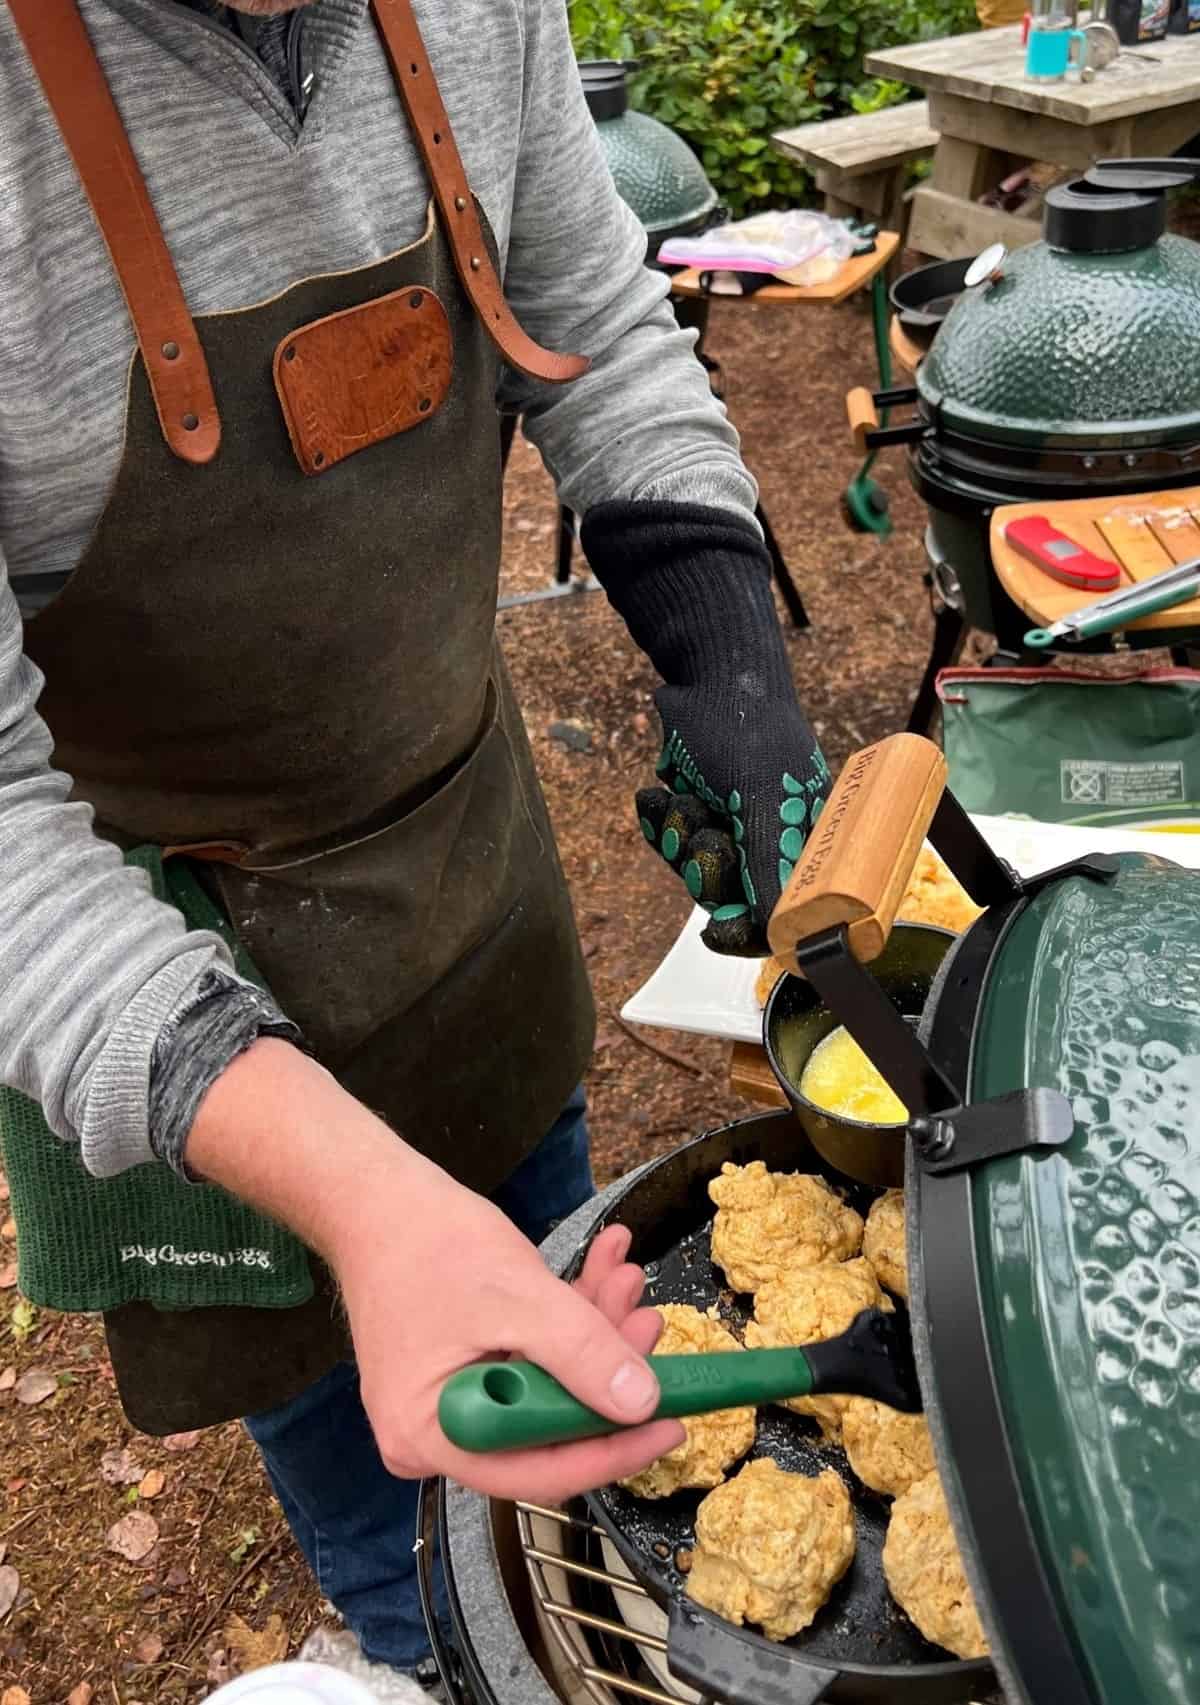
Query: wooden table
[[991, 119], [860, 162]]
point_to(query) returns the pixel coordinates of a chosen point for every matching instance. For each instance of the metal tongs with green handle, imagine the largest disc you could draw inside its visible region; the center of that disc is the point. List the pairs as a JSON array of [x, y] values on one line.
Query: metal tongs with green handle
[[1106, 615], [515, 1405]]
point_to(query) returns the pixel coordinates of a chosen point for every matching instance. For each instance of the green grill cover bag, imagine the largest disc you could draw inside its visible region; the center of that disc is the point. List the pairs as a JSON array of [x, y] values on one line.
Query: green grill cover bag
[[1074, 748]]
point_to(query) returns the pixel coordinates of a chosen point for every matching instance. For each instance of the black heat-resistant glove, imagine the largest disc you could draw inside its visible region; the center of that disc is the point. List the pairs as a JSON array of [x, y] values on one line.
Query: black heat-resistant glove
[[742, 779]]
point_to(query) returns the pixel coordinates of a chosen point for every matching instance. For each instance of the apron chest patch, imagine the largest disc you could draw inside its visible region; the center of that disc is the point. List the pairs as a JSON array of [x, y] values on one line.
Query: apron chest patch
[[364, 375]]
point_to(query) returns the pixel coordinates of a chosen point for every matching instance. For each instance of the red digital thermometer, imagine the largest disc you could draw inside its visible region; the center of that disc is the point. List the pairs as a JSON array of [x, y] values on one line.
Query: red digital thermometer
[[1061, 558]]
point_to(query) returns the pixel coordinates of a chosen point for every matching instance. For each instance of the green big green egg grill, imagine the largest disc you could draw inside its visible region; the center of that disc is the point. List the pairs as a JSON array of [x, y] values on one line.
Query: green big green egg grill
[[656, 173], [1068, 368], [1052, 1173]]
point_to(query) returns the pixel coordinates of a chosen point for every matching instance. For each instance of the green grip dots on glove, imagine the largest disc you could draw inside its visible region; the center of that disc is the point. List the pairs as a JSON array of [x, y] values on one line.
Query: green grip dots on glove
[[741, 778], [736, 854], [798, 814]]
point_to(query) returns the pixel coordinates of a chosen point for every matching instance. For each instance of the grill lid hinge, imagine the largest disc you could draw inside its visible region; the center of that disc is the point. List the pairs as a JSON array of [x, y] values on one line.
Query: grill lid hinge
[[963, 1137]]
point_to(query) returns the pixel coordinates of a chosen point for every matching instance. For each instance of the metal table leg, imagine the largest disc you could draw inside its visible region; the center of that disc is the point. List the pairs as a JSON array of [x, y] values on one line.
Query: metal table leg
[[949, 632], [566, 545], [783, 574], [865, 502], [508, 431], [562, 582]]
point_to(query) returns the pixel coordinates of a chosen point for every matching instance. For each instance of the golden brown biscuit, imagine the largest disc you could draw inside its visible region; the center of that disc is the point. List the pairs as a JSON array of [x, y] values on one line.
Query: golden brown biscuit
[[884, 1242], [925, 1573], [889, 1451], [935, 896], [806, 1305], [714, 1442], [768, 976], [771, 1547], [766, 1219]]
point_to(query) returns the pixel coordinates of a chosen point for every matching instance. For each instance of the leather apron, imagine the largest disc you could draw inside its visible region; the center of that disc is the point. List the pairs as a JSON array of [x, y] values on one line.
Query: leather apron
[[278, 654]]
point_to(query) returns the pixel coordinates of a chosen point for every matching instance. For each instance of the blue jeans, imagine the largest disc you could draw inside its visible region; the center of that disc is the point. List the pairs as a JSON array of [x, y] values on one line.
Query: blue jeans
[[355, 1523]]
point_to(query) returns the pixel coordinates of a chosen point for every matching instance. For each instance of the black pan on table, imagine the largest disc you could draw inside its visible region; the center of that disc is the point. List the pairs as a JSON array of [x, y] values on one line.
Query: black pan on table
[[922, 298]]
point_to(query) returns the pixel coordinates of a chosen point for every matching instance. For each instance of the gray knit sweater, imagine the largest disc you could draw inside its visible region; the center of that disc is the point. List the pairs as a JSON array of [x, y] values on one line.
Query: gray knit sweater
[[99, 981]]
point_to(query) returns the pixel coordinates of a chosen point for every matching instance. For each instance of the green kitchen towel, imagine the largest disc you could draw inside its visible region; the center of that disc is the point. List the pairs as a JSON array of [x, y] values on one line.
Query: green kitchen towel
[[86, 1244]]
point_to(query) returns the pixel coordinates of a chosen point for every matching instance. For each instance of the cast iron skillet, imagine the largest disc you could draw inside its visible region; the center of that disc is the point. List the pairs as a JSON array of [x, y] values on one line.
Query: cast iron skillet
[[861, 1647], [924, 297]]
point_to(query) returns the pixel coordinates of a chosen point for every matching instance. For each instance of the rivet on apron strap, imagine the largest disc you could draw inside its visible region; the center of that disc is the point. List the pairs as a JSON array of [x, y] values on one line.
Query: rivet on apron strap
[[62, 55]]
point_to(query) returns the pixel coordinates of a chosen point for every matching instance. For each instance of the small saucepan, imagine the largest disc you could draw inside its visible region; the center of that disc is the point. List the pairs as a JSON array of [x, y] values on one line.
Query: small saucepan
[[795, 1022]]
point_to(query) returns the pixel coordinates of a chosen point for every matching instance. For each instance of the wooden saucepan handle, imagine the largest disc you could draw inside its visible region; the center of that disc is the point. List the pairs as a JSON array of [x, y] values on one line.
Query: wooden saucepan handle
[[861, 855]]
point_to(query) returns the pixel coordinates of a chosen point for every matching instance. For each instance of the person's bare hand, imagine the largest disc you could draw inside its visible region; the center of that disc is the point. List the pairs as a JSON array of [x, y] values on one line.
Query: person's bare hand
[[434, 1278], [476, 1288]]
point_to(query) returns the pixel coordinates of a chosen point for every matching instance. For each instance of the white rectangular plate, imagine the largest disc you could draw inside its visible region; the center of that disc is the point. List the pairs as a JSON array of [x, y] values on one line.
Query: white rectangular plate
[[698, 991]]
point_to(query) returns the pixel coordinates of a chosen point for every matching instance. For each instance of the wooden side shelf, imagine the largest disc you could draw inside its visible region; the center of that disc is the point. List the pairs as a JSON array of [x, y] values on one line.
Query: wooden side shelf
[[852, 276], [1144, 535], [905, 353], [750, 1075]]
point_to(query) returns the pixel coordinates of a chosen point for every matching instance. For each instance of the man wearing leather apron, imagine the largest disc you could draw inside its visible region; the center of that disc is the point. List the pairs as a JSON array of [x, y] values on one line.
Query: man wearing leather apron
[[294, 1010]]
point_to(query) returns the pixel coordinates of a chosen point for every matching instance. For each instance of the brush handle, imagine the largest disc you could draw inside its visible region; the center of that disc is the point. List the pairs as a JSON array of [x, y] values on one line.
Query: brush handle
[[515, 1405]]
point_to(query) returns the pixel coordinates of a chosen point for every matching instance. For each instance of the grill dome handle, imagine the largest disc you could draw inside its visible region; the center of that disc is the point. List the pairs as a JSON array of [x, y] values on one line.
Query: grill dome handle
[[862, 853], [863, 417]]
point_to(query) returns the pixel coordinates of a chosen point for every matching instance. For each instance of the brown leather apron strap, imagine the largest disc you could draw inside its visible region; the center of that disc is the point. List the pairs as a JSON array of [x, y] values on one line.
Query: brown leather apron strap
[[73, 82], [430, 125]]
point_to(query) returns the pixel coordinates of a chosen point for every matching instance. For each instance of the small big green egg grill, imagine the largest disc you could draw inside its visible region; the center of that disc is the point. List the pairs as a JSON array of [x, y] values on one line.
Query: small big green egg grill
[[1071, 369], [655, 171]]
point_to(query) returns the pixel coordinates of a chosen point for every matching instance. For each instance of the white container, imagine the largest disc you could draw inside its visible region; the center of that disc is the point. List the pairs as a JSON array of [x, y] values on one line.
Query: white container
[[293, 1684]]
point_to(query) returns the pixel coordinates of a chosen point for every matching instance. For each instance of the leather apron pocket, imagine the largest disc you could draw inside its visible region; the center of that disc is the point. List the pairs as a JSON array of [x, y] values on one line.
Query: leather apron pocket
[[350, 935], [432, 962]]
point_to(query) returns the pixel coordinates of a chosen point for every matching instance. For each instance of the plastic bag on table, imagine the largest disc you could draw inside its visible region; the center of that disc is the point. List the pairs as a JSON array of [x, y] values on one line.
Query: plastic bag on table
[[795, 246]]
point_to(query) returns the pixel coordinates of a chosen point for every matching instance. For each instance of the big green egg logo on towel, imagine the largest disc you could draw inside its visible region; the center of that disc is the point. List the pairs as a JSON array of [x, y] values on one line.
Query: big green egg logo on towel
[[166, 1255]]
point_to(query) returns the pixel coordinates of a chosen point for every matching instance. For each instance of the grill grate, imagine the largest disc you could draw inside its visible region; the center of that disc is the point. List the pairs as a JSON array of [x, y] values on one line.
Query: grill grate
[[591, 1642]]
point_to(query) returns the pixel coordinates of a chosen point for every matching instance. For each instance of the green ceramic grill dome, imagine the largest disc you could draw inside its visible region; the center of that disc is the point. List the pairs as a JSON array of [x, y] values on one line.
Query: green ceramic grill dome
[[655, 171], [1091, 1262], [1091, 335]]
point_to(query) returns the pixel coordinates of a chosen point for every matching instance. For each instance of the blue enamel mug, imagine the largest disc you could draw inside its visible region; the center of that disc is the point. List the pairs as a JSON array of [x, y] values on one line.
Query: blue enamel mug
[[1050, 53]]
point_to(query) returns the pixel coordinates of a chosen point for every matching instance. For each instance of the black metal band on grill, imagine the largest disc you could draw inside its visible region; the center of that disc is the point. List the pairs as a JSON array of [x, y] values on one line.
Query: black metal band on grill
[[1011, 472]]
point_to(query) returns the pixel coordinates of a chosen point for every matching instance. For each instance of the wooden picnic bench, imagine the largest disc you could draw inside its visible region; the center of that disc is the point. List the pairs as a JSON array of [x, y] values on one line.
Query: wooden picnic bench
[[861, 162], [989, 118]]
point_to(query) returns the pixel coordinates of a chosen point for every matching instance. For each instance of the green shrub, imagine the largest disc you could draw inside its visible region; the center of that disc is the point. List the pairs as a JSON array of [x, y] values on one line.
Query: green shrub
[[726, 73]]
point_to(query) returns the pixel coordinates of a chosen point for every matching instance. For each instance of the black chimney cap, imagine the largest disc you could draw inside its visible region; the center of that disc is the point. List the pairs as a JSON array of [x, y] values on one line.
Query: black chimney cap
[[605, 86]]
